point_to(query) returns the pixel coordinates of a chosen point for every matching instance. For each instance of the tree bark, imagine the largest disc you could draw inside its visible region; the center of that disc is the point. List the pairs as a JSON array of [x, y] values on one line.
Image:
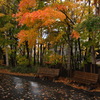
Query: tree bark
[[41, 55], [34, 55], [6, 51], [28, 54], [80, 55], [7, 60]]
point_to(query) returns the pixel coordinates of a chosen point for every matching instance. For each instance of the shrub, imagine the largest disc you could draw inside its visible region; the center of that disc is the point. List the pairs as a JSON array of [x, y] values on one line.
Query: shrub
[[22, 60], [5, 67], [24, 69]]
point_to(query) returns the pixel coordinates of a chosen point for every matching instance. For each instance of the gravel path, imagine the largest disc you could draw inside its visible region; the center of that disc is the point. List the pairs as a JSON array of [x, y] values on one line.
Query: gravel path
[[29, 88]]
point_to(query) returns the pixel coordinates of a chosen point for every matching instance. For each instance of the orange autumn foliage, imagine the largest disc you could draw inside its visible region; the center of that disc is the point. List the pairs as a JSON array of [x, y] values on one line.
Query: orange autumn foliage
[[75, 34], [27, 35], [21, 36], [45, 16], [26, 4], [60, 7]]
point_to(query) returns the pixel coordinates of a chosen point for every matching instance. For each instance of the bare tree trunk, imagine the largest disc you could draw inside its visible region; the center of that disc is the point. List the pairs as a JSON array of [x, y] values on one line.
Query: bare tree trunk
[[38, 54], [6, 51], [68, 58], [70, 52], [34, 55], [28, 54], [7, 61], [97, 7], [80, 55], [75, 56], [93, 59], [41, 55], [55, 49]]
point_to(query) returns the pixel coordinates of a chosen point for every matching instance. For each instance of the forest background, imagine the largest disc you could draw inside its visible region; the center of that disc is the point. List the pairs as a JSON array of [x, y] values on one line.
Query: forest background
[[60, 34]]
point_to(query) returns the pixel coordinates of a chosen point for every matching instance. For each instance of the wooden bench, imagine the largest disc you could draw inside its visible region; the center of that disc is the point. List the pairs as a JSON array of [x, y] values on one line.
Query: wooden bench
[[85, 78], [47, 72]]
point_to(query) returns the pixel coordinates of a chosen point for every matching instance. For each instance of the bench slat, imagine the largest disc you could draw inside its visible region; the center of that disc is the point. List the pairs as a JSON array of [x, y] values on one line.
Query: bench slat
[[85, 77], [49, 72]]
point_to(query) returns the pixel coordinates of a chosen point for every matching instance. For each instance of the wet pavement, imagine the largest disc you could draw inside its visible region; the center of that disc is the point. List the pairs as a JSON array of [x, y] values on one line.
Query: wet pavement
[[29, 88]]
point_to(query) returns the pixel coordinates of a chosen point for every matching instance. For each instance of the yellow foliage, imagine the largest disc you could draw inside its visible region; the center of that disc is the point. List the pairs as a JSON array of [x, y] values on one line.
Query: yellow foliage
[[55, 58], [1, 14], [58, 1], [27, 35], [59, 36], [2, 2]]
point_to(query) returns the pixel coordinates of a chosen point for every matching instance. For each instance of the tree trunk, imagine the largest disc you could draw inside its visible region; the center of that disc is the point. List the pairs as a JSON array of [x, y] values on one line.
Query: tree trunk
[[76, 57], [7, 60], [41, 55], [70, 51], [38, 54], [28, 54], [34, 55], [80, 55], [93, 59], [55, 49], [6, 51]]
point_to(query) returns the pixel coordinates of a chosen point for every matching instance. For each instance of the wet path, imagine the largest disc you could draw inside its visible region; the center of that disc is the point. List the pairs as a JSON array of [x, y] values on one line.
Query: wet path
[[28, 88]]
